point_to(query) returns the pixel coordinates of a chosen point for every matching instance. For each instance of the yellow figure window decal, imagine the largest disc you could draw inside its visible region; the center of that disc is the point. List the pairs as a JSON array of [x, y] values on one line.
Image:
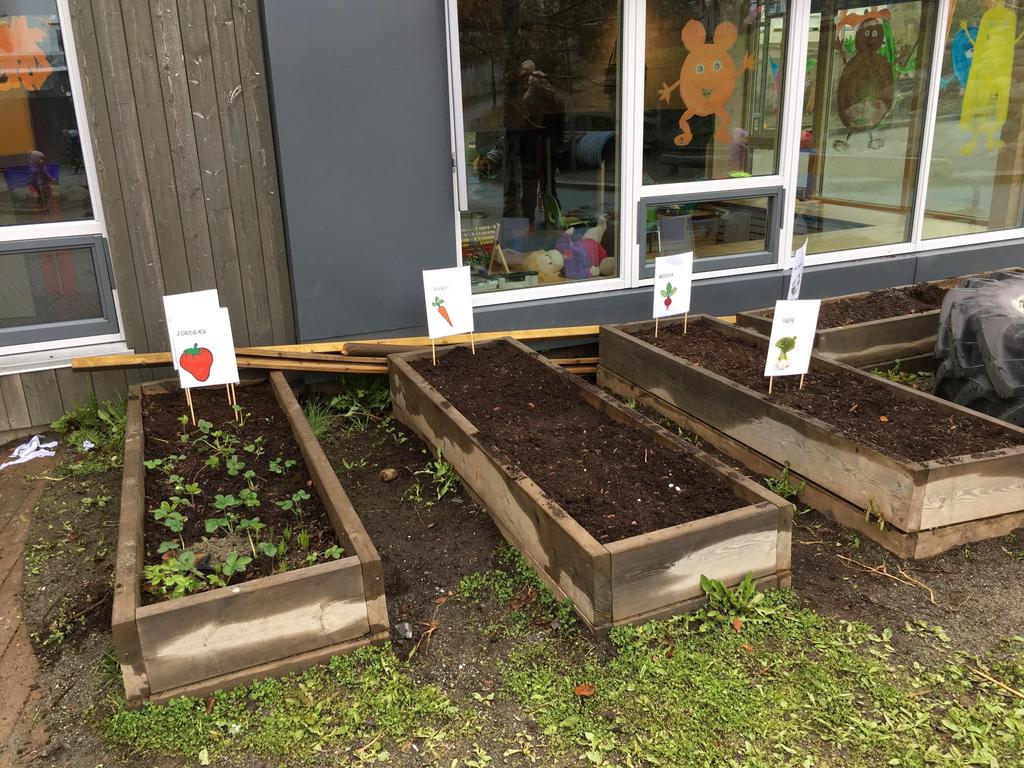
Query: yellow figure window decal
[[987, 96], [23, 63], [707, 78]]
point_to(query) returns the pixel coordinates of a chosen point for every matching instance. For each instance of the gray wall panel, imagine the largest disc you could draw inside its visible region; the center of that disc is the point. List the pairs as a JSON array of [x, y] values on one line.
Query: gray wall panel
[[362, 126]]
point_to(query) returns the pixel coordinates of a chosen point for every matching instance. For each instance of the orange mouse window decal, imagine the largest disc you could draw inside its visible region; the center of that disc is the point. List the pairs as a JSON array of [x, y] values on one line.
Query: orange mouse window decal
[[23, 63], [707, 78]]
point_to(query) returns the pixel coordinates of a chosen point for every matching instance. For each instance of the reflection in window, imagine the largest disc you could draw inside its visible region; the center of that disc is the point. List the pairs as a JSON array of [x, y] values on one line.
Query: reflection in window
[[42, 287], [43, 173], [709, 228], [863, 119], [974, 182], [712, 90], [540, 96]]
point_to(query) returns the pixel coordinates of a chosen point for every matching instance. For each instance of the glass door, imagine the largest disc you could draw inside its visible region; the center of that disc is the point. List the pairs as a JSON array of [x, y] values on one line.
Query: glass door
[[709, 116]]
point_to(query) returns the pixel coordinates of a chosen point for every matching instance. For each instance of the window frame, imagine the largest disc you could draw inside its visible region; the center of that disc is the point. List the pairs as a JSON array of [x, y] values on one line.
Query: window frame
[[740, 261], [68, 330], [17, 343], [785, 181]]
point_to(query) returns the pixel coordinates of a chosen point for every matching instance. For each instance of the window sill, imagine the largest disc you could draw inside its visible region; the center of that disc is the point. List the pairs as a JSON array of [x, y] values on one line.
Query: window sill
[[48, 359]]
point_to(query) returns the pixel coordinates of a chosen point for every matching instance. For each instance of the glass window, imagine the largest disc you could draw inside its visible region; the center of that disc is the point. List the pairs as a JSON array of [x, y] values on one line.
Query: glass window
[[977, 162], [55, 290], [48, 287], [712, 89], [43, 172], [540, 102], [714, 230], [863, 120]]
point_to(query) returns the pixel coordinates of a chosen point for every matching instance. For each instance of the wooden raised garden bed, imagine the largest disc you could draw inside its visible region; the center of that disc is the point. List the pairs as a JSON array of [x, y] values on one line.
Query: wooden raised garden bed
[[278, 620], [615, 513], [913, 472], [874, 328]]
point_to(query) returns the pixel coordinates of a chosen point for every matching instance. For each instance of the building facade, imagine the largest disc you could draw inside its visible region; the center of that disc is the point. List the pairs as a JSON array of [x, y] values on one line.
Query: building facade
[[310, 158]]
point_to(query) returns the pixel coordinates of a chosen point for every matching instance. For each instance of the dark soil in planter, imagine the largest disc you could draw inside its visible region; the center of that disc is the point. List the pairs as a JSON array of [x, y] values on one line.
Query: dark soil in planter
[[863, 410], [614, 480], [888, 302], [162, 430]]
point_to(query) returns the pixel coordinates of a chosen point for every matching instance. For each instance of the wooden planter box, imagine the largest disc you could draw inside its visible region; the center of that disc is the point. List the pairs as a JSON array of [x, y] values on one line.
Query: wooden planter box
[[872, 344], [927, 506], [630, 580], [265, 627]]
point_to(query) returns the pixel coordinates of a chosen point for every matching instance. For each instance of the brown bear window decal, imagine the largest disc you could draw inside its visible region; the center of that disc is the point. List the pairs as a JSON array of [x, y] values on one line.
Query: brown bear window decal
[[707, 78]]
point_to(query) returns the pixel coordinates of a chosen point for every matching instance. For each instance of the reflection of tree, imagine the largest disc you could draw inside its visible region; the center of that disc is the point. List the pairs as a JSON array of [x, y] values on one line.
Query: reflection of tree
[[572, 43]]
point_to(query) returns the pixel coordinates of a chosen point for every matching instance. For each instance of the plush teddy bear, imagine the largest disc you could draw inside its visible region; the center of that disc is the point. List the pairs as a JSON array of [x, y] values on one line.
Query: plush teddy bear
[[547, 264]]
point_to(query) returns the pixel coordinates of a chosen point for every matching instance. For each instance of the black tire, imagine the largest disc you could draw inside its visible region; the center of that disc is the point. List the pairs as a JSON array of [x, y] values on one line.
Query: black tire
[[979, 344]]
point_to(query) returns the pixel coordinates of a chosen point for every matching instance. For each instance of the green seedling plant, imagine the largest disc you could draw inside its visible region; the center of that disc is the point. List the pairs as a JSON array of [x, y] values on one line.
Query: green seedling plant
[[241, 415], [251, 526], [294, 504], [177, 576], [233, 564], [442, 475], [783, 486], [281, 465], [255, 447], [234, 465], [898, 375]]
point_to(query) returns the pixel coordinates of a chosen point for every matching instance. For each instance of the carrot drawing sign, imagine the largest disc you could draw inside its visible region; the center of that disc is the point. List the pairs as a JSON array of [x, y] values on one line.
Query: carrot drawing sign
[[23, 63], [448, 299], [439, 303], [707, 78]]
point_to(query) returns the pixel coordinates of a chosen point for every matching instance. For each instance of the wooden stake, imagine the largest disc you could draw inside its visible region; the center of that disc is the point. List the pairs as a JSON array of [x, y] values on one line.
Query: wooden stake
[[656, 327], [686, 317], [227, 388], [191, 410], [801, 381], [433, 352], [472, 343], [771, 379]]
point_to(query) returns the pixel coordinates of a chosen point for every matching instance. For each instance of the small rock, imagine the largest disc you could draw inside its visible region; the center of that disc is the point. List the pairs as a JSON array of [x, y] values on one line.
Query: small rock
[[388, 474], [404, 630]]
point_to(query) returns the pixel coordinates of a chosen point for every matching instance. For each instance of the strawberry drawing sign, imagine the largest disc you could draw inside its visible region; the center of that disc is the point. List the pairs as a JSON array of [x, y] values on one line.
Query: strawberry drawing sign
[[202, 346], [672, 278], [448, 297]]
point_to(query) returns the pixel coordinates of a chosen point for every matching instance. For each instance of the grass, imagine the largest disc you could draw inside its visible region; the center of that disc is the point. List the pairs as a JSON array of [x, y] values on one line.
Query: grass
[[103, 427], [791, 689], [320, 417], [754, 680], [355, 707]]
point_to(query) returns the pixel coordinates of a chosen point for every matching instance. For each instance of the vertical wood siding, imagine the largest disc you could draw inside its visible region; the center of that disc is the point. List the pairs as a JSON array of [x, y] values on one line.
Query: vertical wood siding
[[177, 106]]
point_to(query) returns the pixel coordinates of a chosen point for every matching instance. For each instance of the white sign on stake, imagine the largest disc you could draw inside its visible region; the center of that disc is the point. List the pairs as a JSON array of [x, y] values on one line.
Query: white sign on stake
[[796, 277], [672, 278], [179, 307], [207, 356], [792, 340], [448, 298]]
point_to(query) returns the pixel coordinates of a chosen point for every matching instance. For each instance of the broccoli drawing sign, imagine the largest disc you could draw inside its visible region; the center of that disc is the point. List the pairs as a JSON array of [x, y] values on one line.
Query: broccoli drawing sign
[[794, 326]]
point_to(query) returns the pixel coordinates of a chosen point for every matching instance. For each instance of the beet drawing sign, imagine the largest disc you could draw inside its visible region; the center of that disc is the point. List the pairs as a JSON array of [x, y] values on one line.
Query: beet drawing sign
[[672, 278], [449, 301], [202, 346], [794, 327]]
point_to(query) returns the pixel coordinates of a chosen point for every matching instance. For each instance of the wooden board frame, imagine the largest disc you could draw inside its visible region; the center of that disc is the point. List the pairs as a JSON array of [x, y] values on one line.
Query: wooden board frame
[[243, 632], [938, 503], [626, 581], [871, 344]]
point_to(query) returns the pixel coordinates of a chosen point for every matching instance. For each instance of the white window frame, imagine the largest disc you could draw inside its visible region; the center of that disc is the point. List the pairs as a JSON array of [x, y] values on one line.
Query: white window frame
[[631, 189], [22, 358]]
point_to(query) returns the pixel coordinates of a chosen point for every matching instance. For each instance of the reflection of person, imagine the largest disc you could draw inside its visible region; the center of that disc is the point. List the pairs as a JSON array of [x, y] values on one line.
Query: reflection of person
[[739, 152], [534, 123], [39, 180]]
